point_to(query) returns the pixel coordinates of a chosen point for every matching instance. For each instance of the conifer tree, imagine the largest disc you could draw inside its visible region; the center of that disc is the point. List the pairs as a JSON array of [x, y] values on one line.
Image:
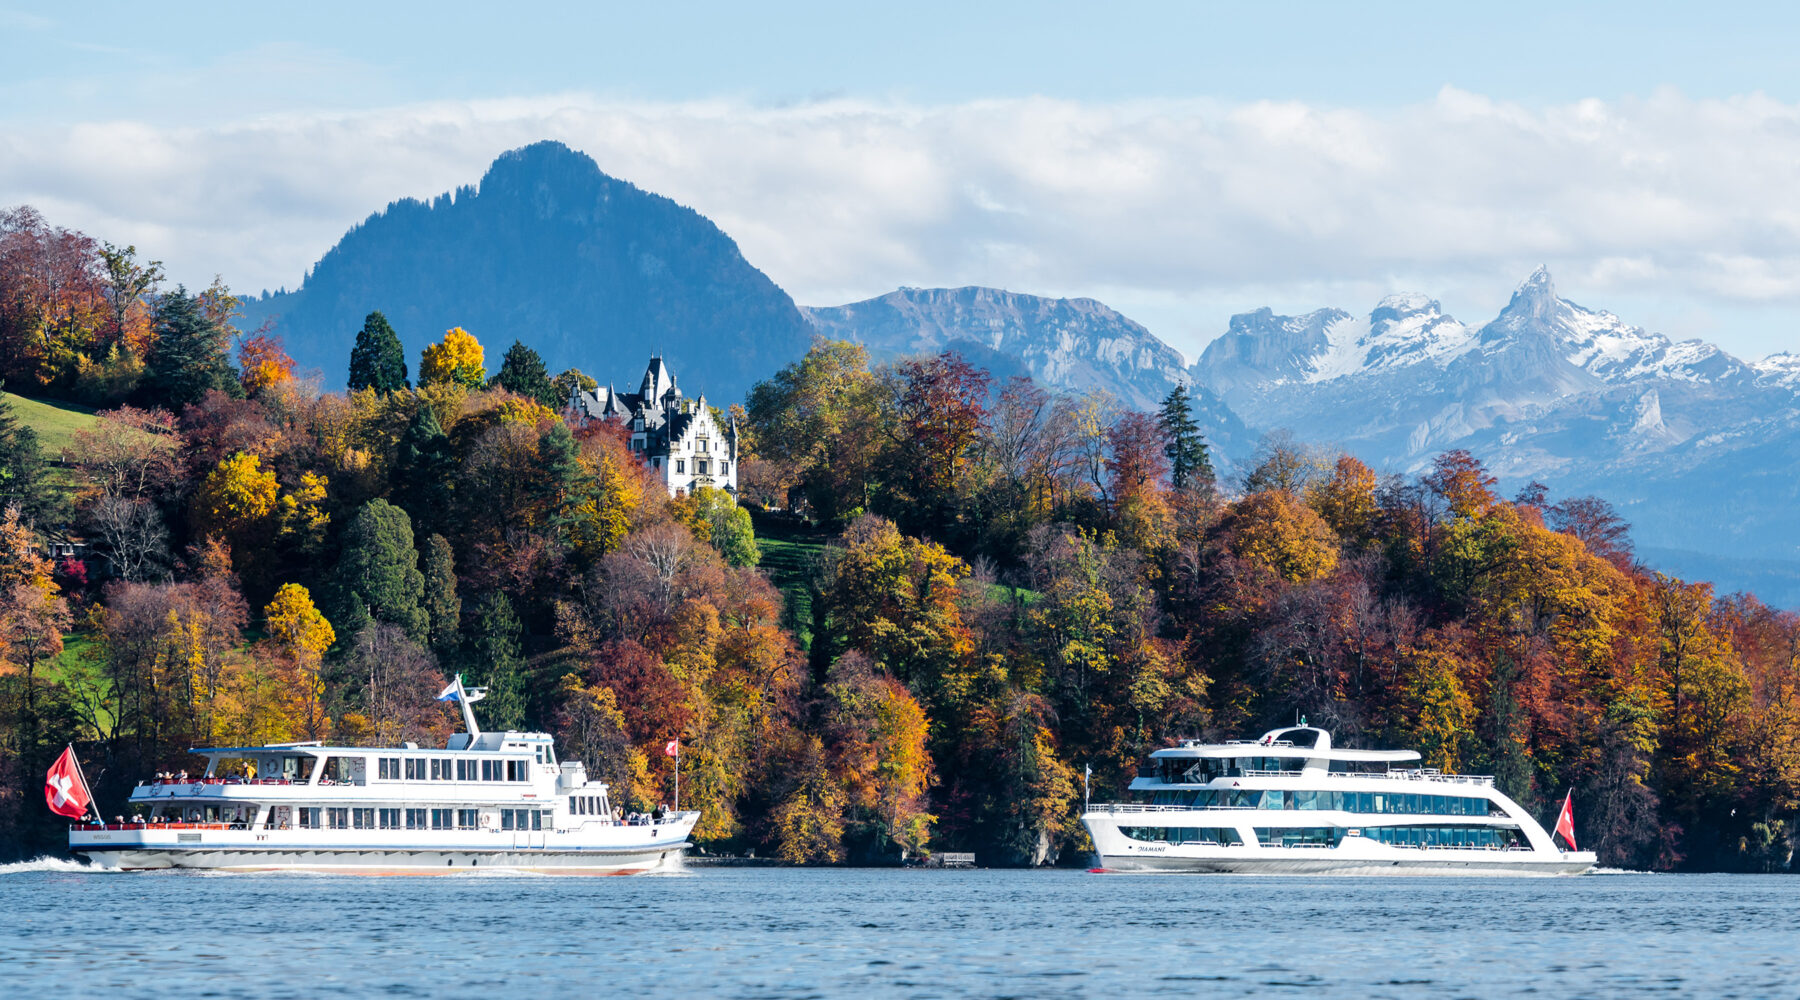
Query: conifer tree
[[441, 602], [377, 361], [424, 469], [21, 467], [1189, 464], [522, 371], [379, 566], [491, 652], [189, 356]]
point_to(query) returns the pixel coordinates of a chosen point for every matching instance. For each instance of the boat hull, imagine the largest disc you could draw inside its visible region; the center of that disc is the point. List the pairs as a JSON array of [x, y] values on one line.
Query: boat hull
[[1347, 865], [440, 862]]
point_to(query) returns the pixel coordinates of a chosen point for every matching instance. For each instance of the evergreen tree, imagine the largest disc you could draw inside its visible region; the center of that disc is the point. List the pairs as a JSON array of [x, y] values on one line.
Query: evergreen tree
[[441, 602], [562, 483], [189, 355], [377, 361], [21, 468], [491, 655], [379, 566], [424, 469], [522, 371], [1189, 464]]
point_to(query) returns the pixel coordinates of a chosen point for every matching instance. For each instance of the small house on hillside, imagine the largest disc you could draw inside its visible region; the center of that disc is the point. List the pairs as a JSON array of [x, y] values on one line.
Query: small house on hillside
[[678, 436]]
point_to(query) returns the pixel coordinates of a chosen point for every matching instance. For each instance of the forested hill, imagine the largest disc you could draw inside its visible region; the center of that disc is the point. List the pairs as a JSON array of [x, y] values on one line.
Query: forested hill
[[587, 268]]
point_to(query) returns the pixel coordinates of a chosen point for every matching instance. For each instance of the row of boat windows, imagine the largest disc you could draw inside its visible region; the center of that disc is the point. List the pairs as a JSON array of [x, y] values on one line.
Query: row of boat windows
[[347, 818], [436, 769], [1331, 836], [587, 805], [1358, 802]]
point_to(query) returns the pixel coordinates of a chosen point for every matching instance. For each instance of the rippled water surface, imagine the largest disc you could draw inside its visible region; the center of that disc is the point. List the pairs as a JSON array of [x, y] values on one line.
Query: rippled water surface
[[836, 933]]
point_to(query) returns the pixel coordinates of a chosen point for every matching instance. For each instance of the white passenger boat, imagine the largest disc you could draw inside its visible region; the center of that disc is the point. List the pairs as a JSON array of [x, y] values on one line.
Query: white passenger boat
[[1292, 803], [486, 801]]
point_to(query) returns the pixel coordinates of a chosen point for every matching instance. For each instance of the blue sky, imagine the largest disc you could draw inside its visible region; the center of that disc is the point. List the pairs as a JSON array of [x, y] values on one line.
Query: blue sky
[[1180, 161]]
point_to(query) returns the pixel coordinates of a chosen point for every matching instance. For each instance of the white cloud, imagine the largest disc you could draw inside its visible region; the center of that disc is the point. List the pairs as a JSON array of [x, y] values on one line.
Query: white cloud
[[1157, 203]]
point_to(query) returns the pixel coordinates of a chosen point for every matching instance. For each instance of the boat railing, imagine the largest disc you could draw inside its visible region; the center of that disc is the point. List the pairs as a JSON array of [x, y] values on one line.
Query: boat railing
[[1420, 774], [148, 782], [1144, 807], [92, 827]]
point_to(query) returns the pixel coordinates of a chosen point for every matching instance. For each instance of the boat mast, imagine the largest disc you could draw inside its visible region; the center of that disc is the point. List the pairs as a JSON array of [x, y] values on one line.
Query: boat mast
[[465, 699]]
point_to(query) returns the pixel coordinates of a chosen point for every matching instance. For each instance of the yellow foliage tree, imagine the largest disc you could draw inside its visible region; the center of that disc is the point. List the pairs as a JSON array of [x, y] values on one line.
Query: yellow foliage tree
[[236, 499], [303, 634], [456, 359], [1276, 531]]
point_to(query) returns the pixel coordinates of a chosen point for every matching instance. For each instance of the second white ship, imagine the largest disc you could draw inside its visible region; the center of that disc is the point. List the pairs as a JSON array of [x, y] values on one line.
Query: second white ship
[[1292, 803]]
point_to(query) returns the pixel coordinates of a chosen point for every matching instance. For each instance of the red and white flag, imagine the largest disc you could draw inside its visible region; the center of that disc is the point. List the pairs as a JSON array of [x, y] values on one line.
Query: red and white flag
[[673, 749], [1565, 822], [65, 789]]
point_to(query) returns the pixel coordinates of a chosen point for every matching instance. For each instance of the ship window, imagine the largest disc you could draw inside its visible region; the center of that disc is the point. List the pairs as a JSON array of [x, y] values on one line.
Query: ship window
[[441, 818], [468, 819], [415, 769], [309, 817], [415, 819], [390, 818], [506, 819], [337, 818], [1299, 836], [537, 820], [1223, 835]]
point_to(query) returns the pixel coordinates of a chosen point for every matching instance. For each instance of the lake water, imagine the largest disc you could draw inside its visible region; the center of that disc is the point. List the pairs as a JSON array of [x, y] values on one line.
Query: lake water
[[859, 933]]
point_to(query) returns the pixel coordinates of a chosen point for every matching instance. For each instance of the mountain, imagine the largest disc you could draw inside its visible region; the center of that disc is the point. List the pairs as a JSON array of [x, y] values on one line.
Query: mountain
[[591, 271], [1074, 344], [1693, 445]]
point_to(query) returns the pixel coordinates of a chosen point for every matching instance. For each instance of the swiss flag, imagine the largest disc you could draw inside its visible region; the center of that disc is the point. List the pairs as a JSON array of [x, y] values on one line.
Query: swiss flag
[[1565, 822], [64, 787], [672, 749]]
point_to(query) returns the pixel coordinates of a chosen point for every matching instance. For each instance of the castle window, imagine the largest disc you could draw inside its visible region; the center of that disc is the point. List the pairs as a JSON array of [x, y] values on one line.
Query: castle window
[[701, 446], [700, 466], [680, 466], [724, 468]]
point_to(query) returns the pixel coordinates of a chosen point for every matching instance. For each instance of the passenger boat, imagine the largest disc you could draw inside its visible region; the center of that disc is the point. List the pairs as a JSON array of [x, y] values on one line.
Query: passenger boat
[[486, 801], [1290, 802]]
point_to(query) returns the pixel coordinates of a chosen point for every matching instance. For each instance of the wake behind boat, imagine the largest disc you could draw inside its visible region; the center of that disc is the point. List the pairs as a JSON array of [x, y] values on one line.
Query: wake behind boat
[[1292, 803], [485, 801]]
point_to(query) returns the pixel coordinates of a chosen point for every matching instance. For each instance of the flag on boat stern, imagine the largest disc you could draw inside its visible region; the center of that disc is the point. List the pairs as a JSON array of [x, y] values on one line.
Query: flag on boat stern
[[448, 693], [1565, 821], [672, 749], [65, 789]]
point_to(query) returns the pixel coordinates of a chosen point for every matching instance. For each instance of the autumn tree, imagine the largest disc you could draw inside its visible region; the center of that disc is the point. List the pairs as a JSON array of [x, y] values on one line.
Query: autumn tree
[[939, 405], [263, 364], [457, 360], [377, 361], [1274, 530], [817, 421], [302, 634]]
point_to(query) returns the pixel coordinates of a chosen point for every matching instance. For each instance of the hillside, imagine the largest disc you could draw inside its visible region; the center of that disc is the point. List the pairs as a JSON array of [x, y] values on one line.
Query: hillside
[[592, 271], [54, 422]]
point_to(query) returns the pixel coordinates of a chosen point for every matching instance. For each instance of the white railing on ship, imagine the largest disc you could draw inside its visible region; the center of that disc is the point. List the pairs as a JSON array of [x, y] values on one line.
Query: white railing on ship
[[1138, 807]]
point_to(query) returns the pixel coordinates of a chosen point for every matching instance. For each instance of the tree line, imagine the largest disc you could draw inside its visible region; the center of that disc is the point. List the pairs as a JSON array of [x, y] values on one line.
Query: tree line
[[999, 585]]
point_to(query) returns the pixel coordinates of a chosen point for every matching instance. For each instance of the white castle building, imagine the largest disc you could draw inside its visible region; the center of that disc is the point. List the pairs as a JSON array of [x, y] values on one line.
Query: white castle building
[[676, 435]]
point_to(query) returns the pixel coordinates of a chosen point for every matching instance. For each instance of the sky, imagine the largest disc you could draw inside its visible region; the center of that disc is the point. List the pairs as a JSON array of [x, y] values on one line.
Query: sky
[[1181, 162]]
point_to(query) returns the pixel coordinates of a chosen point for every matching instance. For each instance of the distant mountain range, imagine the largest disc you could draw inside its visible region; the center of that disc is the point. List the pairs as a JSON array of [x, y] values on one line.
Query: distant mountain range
[[1696, 447]]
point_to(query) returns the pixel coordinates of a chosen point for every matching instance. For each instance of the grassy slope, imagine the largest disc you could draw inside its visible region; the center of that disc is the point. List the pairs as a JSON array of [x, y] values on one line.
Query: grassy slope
[[789, 552], [55, 423]]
